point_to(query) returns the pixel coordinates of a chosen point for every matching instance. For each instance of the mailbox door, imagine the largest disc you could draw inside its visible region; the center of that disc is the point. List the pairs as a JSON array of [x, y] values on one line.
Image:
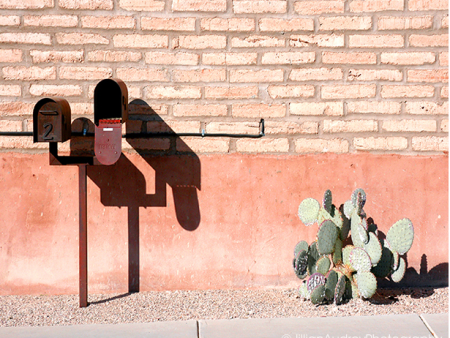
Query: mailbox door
[[108, 141]]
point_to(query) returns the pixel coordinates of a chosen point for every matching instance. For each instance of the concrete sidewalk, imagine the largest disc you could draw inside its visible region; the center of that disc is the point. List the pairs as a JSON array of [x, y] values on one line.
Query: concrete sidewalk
[[429, 326]]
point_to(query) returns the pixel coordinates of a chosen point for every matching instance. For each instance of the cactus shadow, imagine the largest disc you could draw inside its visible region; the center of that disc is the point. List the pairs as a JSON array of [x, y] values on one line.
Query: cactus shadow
[[123, 184]]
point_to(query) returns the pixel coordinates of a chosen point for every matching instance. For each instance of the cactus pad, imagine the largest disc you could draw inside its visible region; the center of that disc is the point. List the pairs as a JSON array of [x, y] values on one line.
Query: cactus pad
[[395, 260], [367, 284], [318, 294], [373, 248], [337, 254], [308, 211], [348, 209], [398, 274], [302, 245], [359, 198], [303, 291], [314, 280], [383, 267], [330, 285], [345, 228], [360, 260], [323, 265], [346, 256], [401, 236], [340, 289], [301, 264], [313, 257], [326, 237], [327, 201]]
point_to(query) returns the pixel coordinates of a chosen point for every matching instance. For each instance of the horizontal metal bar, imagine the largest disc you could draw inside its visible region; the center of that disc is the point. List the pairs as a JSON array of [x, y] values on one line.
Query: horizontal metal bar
[[153, 135]]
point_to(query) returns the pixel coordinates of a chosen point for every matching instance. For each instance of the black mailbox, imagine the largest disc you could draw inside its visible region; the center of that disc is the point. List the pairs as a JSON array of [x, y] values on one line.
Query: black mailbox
[[110, 111], [51, 120]]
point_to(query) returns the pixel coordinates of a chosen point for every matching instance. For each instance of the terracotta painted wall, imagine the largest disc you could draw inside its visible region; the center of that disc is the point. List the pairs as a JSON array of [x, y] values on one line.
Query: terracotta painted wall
[[218, 221], [354, 93]]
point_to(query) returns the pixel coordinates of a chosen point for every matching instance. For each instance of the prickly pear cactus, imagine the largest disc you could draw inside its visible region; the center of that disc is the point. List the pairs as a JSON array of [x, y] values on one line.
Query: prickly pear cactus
[[333, 273]]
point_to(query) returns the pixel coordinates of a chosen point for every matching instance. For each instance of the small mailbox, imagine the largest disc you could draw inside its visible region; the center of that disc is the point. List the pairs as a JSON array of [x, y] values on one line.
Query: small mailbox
[[51, 120], [110, 111]]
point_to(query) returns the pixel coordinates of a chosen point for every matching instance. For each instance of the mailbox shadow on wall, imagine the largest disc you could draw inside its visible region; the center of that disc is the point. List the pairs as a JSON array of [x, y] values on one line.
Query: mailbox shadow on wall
[[124, 185]]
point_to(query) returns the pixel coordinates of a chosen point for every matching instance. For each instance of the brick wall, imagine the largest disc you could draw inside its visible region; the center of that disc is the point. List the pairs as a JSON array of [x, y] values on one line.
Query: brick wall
[[327, 76]]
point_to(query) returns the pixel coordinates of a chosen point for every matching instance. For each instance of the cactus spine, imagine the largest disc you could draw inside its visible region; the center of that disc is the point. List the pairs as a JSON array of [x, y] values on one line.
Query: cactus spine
[[331, 272]]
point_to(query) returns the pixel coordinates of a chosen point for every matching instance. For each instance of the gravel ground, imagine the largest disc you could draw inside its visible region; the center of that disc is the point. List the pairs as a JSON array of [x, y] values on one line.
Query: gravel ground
[[211, 304]]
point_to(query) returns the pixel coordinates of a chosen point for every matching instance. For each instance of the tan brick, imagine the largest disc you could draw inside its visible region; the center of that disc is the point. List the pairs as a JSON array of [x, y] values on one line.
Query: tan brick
[[255, 6], [199, 5], [263, 75], [352, 126], [233, 128], [168, 24], [430, 143], [257, 41], [86, 4], [375, 75], [443, 59], [140, 6], [287, 58], [428, 75], [7, 125], [80, 39], [376, 41], [108, 22], [291, 128], [260, 110], [16, 108], [340, 23], [26, 38], [312, 145], [172, 92], [319, 40], [374, 107], [146, 144], [438, 40], [390, 91], [444, 92], [408, 58], [200, 110], [290, 91], [401, 22], [10, 90], [231, 93], [56, 90], [444, 126], [10, 55], [348, 91], [84, 73], [144, 109], [9, 20], [199, 75], [141, 41], [317, 108], [50, 20], [17, 142], [409, 126], [427, 5], [319, 7], [229, 59], [39, 56], [349, 58], [113, 56], [143, 74], [316, 74], [164, 58], [444, 22], [200, 42], [426, 108], [262, 145], [285, 25], [359, 6], [203, 145], [168, 126], [26, 4], [29, 73], [227, 24], [380, 143]]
